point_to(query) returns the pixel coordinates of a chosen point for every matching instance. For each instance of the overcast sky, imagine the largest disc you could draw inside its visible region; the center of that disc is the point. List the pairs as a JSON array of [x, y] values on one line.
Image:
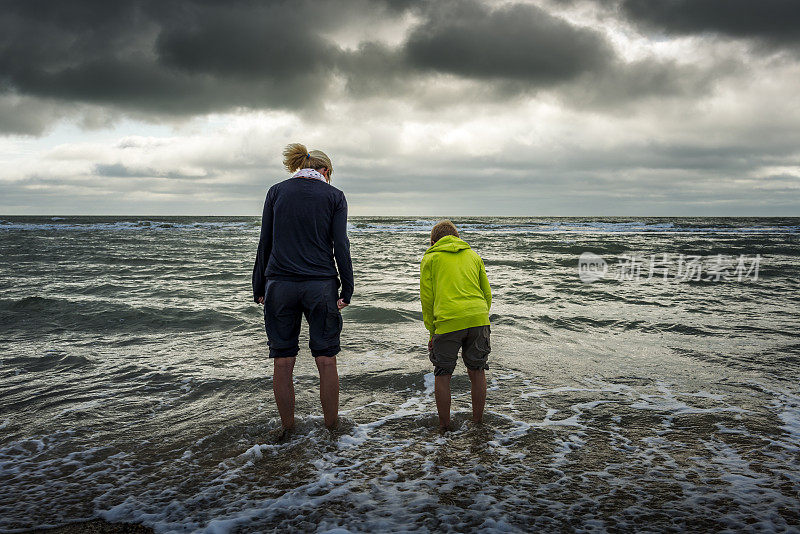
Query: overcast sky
[[551, 107]]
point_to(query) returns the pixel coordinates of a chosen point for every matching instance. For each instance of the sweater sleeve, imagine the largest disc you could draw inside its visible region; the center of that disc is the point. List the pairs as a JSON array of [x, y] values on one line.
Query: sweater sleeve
[[426, 294], [485, 287], [341, 249], [264, 250]]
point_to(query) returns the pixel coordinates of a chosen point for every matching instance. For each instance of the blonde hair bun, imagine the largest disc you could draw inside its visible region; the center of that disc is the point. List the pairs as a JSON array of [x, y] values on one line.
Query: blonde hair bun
[[296, 156]]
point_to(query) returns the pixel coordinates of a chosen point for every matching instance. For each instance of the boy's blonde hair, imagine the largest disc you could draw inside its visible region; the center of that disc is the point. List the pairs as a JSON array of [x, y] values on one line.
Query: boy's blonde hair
[[442, 229], [296, 157]]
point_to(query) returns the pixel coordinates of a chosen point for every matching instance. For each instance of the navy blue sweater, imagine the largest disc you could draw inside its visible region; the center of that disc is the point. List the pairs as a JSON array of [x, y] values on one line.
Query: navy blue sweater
[[303, 228]]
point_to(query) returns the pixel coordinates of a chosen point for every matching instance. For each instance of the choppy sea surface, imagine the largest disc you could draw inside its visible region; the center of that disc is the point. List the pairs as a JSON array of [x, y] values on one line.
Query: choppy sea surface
[[135, 384]]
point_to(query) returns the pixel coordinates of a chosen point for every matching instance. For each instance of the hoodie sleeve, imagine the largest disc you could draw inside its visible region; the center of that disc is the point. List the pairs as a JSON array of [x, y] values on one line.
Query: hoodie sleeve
[[426, 294], [264, 250], [341, 249], [487, 290]]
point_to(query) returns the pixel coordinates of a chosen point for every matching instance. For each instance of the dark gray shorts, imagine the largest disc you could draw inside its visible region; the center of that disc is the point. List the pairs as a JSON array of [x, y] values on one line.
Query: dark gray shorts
[[474, 345], [285, 304]]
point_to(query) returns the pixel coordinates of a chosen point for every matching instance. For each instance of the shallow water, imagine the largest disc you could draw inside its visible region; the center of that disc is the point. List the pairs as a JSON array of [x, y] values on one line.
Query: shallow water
[[134, 383]]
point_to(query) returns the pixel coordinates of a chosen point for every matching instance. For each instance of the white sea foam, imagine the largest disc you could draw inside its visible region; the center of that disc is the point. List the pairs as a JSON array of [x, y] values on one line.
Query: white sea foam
[[142, 225], [430, 381], [396, 473], [574, 227]]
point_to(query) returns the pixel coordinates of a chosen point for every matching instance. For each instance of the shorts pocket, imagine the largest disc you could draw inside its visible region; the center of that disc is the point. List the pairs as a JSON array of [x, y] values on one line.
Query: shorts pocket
[[483, 342], [333, 323]]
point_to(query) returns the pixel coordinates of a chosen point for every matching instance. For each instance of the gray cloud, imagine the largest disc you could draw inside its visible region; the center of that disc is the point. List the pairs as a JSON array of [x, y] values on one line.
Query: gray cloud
[[517, 42], [426, 106], [629, 84], [517, 50], [253, 43], [164, 60], [771, 22], [26, 116], [118, 170], [170, 58], [775, 21]]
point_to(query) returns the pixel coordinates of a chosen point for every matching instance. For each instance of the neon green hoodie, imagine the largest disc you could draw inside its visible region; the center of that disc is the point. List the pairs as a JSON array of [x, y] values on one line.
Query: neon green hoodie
[[453, 287]]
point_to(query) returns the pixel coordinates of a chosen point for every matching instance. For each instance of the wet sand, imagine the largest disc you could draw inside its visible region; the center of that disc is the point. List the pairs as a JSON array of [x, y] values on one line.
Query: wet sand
[[97, 526]]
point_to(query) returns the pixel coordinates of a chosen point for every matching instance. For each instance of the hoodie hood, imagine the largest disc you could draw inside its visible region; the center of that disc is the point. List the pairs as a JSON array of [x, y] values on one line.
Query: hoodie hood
[[448, 243]]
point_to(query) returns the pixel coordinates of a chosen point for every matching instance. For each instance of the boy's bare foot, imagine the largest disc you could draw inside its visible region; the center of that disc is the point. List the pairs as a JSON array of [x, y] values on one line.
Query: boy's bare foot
[[284, 434]]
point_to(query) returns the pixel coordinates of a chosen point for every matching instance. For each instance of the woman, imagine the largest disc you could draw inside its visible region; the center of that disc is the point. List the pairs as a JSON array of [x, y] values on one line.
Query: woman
[[303, 229]]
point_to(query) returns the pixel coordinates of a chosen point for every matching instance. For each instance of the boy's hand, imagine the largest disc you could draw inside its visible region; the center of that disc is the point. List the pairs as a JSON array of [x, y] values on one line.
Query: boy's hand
[[341, 304], [430, 345], [261, 300]]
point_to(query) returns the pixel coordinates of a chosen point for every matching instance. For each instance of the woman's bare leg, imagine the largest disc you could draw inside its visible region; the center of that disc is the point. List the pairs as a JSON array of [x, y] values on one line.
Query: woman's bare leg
[[328, 389], [283, 387]]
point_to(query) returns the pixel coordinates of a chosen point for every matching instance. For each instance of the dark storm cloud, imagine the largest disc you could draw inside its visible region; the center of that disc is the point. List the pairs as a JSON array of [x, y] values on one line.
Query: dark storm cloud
[[157, 59], [515, 50], [375, 69], [172, 58], [771, 21], [248, 42], [517, 42]]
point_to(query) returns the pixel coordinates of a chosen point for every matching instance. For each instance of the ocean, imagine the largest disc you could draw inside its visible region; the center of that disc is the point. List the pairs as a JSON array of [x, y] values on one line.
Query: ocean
[[643, 377]]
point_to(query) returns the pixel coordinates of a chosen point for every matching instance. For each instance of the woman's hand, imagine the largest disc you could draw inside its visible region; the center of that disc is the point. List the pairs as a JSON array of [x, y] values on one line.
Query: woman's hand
[[341, 304]]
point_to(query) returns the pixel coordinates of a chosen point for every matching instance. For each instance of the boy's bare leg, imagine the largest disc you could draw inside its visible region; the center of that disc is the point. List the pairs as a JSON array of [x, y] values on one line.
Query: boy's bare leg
[[283, 387], [328, 389], [478, 381], [441, 391]]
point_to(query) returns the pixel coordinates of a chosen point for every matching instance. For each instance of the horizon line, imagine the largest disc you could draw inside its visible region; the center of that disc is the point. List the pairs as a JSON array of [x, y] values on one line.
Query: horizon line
[[406, 216]]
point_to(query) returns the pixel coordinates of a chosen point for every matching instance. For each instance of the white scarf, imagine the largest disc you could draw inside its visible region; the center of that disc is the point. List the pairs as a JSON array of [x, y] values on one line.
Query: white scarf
[[309, 173]]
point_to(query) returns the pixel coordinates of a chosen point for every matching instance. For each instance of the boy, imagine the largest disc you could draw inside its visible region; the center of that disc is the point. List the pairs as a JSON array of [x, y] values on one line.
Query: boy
[[456, 298]]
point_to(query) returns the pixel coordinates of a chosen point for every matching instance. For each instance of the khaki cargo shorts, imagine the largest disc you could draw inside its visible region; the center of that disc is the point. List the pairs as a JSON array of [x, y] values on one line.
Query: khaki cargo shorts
[[474, 345]]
